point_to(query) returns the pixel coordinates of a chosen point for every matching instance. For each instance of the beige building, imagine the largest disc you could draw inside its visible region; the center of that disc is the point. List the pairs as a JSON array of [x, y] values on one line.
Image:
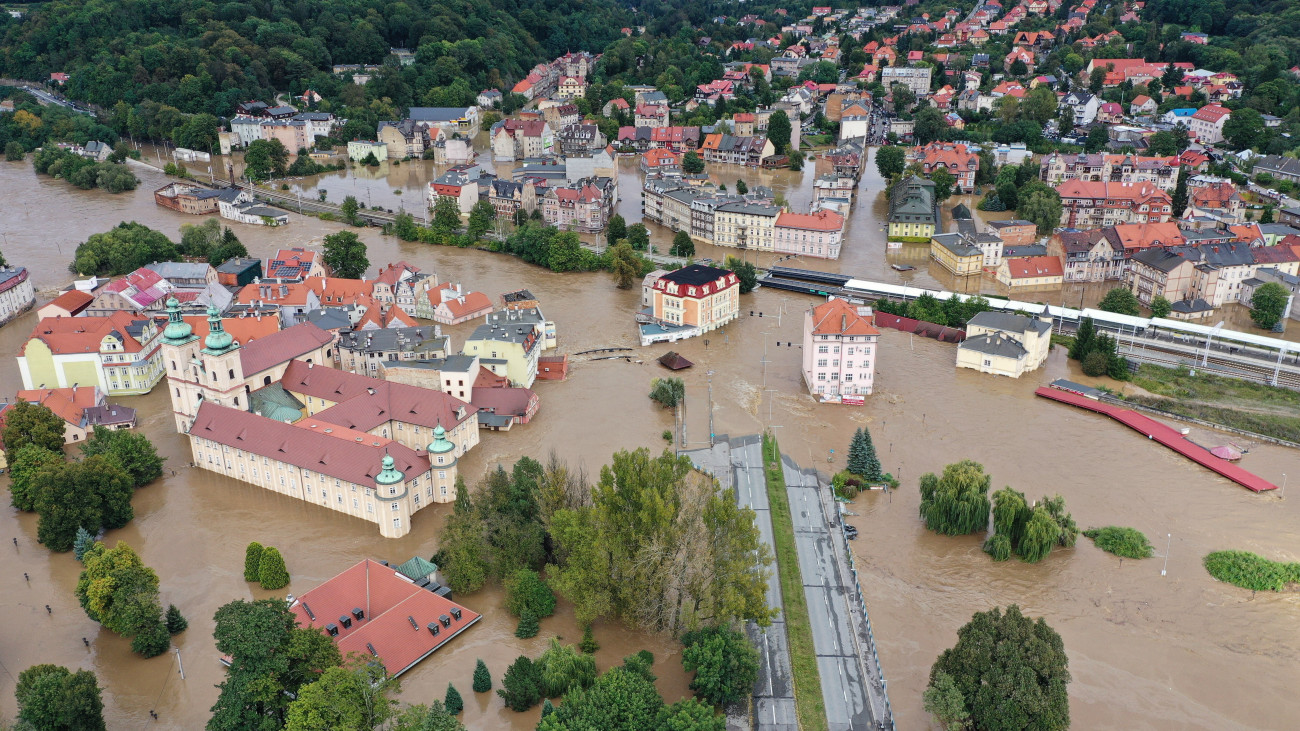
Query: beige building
[[1030, 272], [746, 226], [956, 254], [1005, 344], [691, 301]]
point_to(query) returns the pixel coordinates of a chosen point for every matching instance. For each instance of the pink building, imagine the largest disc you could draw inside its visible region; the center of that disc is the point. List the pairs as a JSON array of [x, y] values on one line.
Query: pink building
[[839, 352], [816, 234]]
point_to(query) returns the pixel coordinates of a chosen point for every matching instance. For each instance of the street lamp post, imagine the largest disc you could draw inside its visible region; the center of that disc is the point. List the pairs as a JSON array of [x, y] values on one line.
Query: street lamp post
[[1168, 542]]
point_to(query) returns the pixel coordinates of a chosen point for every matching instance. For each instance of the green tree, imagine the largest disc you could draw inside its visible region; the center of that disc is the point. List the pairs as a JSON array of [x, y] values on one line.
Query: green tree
[[354, 696], [1095, 364], [117, 590], [929, 125], [725, 664], [1121, 301], [405, 228], [15, 152], [452, 700], [562, 668], [271, 659], [1011, 672], [1267, 216], [527, 592], [566, 254], [957, 502], [625, 264], [891, 160], [638, 236], [1040, 104], [778, 133], [693, 164], [682, 245], [94, 493], [622, 699], [345, 254], [741, 187], [265, 159], [434, 717], [667, 391], [349, 210], [1083, 339], [176, 622], [1160, 307], [481, 217], [521, 685], [745, 271], [1097, 77], [943, 184], [796, 160], [35, 424], [25, 467], [1244, 129], [862, 456], [482, 678], [1268, 304], [53, 698], [943, 700], [616, 230], [1179, 200], [446, 218], [271, 572], [1098, 138], [133, 451], [1041, 207], [229, 248], [198, 240], [690, 715], [252, 561], [1162, 144], [82, 543], [528, 625]]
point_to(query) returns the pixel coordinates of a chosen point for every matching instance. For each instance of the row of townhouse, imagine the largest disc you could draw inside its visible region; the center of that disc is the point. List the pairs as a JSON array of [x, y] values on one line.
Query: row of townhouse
[[725, 148], [1057, 168], [961, 162], [298, 131], [1089, 204]]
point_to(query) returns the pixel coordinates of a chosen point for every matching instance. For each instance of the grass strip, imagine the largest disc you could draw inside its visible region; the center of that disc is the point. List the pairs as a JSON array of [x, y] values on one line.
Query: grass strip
[[809, 705], [1178, 383], [1125, 542], [1251, 571], [1278, 426]]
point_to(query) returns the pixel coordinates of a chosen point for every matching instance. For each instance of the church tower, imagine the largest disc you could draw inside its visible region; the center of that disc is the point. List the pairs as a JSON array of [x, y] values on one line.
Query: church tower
[[442, 462], [194, 374], [180, 348]]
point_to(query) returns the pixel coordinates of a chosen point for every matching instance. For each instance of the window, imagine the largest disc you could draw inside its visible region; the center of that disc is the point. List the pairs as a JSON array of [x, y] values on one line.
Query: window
[[442, 474], [370, 507], [397, 523], [394, 507], [823, 349]]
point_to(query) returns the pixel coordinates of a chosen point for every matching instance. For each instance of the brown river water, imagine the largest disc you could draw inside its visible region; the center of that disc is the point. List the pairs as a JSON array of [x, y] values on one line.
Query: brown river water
[[1146, 651]]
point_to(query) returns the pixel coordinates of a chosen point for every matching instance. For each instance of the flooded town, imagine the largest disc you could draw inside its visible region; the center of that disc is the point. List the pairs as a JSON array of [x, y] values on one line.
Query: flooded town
[[402, 365]]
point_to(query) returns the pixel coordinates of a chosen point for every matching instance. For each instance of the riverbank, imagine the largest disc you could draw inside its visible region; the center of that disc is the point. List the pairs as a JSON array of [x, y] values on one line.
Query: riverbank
[[1237, 404]]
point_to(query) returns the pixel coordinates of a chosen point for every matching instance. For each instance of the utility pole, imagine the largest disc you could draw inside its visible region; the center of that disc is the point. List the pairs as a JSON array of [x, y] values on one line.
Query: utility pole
[[772, 399], [179, 663], [765, 361], [711, 432]]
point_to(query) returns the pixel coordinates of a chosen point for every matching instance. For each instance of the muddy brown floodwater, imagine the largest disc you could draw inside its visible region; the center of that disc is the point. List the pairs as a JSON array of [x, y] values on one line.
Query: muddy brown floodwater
[[1146, 652]]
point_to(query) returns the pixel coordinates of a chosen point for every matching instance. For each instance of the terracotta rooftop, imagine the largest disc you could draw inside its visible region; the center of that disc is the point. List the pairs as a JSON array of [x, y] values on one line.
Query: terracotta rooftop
[[364, 403], [65, 335], [395, 615], [73, 301], [837, 317], [68, 403], [280, 347], [1030, 267], [313, 444], [243, 329], [822, 220]]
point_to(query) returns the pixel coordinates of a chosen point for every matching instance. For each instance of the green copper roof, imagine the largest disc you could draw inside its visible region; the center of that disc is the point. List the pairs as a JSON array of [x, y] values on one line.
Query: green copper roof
[[440, 444], [218, 340], [417, 568], [390, 475], [178, 331]]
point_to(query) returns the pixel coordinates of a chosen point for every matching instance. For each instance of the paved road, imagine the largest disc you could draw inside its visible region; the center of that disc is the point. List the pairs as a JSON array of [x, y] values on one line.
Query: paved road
[[829, 591], [739, 464]]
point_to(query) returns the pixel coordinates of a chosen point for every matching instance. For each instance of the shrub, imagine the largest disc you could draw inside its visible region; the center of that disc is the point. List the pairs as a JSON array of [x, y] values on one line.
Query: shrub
[[1120, 541], [1095, 364], [1251, 571], [526, 592], [482, 678], [998, 546], [588, 644], [453, 702], [528, 626], [153, 640], [252, 561], [521, 686], [272, 573]]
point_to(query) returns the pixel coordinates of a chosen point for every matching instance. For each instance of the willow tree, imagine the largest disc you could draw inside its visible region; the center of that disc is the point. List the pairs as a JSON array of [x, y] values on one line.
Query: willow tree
[[956, 502]]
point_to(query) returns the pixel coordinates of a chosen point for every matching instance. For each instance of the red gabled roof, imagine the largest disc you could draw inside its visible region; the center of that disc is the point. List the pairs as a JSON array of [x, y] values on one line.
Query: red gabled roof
[[84, 334], [1028, 267], [822, 220], [357, 408], [396, 615], [281, 347], [837, 317], [73, 301]]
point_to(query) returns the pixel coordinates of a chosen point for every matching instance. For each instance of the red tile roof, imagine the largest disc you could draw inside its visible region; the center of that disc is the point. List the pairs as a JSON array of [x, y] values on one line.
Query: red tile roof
[[243, 329], [1211, 113], [73, 301], [470, 304], [281, 347], [84, 334], [837, 317], [311, 444], [396, 615], [356, 407], [69, 404], [822, 220], [1028, 267]]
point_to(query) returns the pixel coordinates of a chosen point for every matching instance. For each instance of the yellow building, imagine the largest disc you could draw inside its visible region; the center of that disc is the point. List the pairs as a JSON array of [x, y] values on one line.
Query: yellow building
[[690, 301], [359, 149], [118, 353], [913, 213], [746, 226], [955, 254], [1031, 272], [509, 344], [1005, 344]]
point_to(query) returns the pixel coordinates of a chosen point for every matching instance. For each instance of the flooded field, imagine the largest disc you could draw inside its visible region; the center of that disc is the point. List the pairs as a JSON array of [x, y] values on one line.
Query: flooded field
[[1146, 651]]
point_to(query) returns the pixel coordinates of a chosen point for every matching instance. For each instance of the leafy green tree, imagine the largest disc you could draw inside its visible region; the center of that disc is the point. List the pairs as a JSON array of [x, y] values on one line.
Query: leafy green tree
[[943, 184], [1163, 144], [957, 502], [349, 209], [1083, 339], [625, 264], [667, 391], [796, 160], [1095, 364], [1098, 138], [94, 493], [741, 187], [345, 254], [252, 561], [1179, 200], [481, 217], [1040, 104], [1097, 77], [1019, 685], [452, 700], [526, 591], [693, 164], [528, 625], [122, 249], [778, 133], [117, 590], [434, 717], [1122, 301], [27, 423], [405, 228], [53, 698], [482, 678], [15, 152], [176, 622], [1160, 307], [562, 668], [521, 685], [1125, 542], [620, 700], [198, 240], [891, 160], [153, 639], [1268, 304], [588, 643], [566, 252], [133, 451], [354, 696], [690, 715], [745, 271], [229, 248], [1043, 207], [271, 572], [929, 125], [1244, 129], [271, 659], [725, 664], [616, 230], [682, 245], [943, 700], [25, 467], [638, 236], [446, 218], [265, 159]]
